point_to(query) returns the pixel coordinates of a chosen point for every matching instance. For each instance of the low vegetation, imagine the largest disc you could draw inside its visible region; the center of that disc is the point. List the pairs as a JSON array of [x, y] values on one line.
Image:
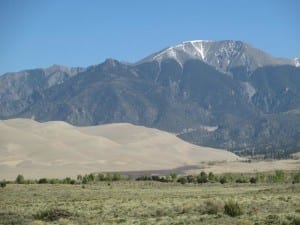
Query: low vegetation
[[232, 208], [151, 202], [112, 198], [277, 176]]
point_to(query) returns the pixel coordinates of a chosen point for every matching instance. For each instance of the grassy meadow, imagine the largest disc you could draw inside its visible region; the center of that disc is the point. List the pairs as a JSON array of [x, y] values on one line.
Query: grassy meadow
[[150, 202]]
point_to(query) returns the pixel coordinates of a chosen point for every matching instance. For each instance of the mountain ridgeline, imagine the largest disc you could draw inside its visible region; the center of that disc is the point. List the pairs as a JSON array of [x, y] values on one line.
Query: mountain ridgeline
[[223, 94]]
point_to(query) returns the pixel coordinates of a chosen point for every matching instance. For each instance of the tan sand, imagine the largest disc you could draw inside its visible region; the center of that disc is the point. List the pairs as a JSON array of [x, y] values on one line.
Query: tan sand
[[58, 149]]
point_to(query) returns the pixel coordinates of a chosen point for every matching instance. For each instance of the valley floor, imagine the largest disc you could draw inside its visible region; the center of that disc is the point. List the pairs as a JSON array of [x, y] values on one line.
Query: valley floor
[[243, 166], [135, 202]]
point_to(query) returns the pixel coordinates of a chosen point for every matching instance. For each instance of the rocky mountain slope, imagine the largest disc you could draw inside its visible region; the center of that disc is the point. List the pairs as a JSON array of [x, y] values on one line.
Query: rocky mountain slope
[[224, 94]]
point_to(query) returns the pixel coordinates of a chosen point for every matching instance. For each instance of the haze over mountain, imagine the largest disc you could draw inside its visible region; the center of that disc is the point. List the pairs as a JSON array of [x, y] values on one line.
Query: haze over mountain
[[224, 94], [58, 149]]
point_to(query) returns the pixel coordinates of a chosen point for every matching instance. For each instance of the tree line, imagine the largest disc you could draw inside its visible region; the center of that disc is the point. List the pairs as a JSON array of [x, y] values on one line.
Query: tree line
[[278, 176]]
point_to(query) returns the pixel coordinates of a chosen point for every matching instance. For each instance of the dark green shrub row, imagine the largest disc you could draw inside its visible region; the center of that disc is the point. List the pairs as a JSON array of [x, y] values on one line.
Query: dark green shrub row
[[81, 179], [278, 176]]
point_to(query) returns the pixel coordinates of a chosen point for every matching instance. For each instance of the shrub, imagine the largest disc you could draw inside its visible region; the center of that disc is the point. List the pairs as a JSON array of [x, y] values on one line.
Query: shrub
[[182, 180], [211, 176], [20, 179], [73, 182], [100, 177], [144, 177], [3, 184], [43, 181], [190, 178], [173, 176], [296, 178], [253, 180], [232, 208], [223, 180], [54, 181], [202, 178], [278, 177], [79, 178], [295, 220], [241, 180], [272, 219], [116, 177], [108, 177], [52, 214], [213, 207], [88, 178], [66, 180], [155, 178], [85, 179]]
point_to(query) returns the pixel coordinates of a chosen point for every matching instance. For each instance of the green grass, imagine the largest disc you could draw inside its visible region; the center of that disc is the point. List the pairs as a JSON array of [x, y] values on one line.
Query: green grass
[[149, 203]]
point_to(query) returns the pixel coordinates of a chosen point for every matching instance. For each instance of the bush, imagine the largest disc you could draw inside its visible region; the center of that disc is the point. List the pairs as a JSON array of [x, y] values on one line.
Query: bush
[[54, 181], [202, 178], [223, 180], [272, 219], [173, 176], [43, 181], [191, 179], [20, 179], [232, 209], [52, 214], [109, 177], [116, 177], [3, 184], [295, 220], [182, 180], [278, 177], [85, 179], [101, 177], [79, 178], [144, 177], [211, 176], [253, 180], [66, 180], [213, 207], [73, 182], [296, 178], [241, 180]]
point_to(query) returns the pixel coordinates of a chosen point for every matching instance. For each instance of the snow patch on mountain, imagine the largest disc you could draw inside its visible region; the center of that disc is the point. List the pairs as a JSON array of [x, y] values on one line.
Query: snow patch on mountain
[[223, 55], [201, 127], [248, 89], [297, 62], [183, 52]]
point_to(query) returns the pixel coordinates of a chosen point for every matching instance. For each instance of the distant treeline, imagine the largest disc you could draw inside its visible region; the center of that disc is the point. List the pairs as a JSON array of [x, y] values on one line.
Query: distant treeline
[[277, 176]]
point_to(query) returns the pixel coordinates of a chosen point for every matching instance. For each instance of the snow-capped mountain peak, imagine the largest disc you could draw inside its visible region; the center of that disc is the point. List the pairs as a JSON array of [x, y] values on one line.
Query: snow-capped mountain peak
[[297, 62], [184, 51], [223, 55]]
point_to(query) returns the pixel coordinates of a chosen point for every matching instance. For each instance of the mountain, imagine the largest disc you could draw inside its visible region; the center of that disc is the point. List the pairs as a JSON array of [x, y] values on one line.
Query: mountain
[[223, 55], [58, 149], [19, 90], [223, 94]]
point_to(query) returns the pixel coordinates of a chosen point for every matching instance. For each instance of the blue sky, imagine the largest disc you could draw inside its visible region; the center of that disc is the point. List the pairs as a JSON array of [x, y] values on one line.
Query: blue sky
[[39, 33]]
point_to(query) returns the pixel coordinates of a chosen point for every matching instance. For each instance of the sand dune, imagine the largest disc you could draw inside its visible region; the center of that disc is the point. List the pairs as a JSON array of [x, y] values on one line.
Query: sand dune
[[58, 149]]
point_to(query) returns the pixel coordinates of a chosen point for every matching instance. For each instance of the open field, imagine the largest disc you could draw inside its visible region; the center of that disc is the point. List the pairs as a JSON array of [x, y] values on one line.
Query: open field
[[243, 166], [149, 203]]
